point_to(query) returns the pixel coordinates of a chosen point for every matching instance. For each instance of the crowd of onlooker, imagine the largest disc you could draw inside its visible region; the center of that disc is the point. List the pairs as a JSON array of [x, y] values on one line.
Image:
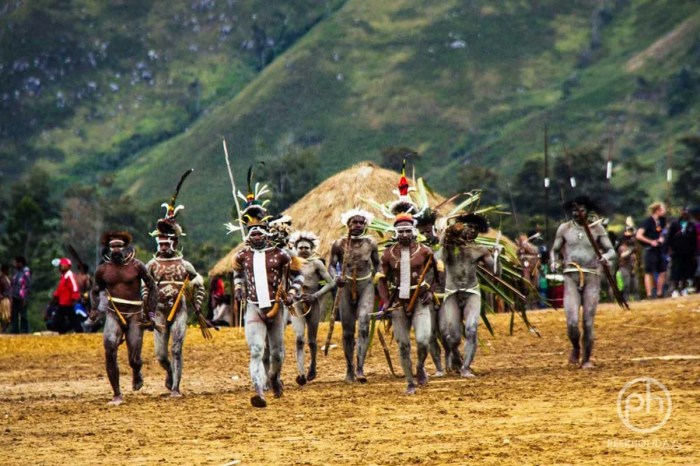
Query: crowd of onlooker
[[14, 296], [659, 258]]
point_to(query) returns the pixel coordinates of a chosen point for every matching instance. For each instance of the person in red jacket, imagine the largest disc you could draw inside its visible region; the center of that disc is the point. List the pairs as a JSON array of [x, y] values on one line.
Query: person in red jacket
[[66, 295]]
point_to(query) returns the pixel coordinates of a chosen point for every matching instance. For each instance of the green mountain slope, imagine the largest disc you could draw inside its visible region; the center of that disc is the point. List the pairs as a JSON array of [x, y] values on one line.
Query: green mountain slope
[[87, 84], [463, 83]]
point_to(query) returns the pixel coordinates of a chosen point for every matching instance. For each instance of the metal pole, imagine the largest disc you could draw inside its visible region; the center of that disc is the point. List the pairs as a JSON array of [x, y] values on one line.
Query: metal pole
[[546, 187]]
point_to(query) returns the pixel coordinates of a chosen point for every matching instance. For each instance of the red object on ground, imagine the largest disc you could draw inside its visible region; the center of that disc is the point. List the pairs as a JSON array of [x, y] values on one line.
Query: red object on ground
[[555, 295]]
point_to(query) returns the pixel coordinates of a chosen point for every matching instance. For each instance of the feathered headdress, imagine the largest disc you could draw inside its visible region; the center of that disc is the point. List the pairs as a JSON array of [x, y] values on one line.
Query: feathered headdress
[[255, 210], [167, 226], [480, 221], [346, 216], [404, 204], [307, 236]]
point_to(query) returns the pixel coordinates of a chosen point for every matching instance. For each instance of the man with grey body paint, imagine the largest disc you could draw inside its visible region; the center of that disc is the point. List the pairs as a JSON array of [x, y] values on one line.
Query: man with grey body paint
[[573, 251], [461, 307], [356, 286], [261, 269], [307, 311]]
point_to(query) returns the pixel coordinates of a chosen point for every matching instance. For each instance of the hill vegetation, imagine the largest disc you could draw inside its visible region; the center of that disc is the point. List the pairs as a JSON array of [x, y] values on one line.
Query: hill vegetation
[[107, 103]]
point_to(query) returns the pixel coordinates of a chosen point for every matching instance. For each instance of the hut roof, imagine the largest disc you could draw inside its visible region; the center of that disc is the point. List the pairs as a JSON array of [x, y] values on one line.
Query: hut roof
[[320, 209]]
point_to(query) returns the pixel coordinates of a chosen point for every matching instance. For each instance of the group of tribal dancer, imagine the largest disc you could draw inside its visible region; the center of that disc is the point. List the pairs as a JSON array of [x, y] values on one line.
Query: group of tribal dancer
[[426, 278]]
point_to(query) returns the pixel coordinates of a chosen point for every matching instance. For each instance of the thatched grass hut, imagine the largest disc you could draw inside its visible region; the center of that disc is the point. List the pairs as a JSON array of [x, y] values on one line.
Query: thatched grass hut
[[320, 209]]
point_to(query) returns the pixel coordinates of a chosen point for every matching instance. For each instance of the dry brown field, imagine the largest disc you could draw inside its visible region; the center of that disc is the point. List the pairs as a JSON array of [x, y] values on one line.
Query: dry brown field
[[526, 406]]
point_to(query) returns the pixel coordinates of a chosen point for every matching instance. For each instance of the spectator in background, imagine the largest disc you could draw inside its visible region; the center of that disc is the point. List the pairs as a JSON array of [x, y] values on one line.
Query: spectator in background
[[650, 236], [5, 297], [216, 294], [530, 260], [66, 295], [682, 246], [21, 283], [627, 263]]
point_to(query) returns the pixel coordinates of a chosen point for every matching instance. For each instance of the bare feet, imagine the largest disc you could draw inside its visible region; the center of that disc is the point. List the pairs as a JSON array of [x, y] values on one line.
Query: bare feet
[[466, 373], [439, 373], [137, 381], [175, 394], [411, 389], [361, 377], [587, 365], [277, 386], [422, 376], [169, 381], [311, 375], [350, 377], [258, 401], [574, 357], [301, 379], [116, 401]]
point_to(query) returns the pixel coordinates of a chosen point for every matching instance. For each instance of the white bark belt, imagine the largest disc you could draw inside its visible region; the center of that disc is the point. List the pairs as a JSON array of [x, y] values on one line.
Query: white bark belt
[[474, 290], [125, 301], [170, 282]]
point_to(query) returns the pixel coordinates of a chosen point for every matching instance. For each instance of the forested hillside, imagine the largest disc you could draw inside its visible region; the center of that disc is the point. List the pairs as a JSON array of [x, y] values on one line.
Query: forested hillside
[[108, 102]]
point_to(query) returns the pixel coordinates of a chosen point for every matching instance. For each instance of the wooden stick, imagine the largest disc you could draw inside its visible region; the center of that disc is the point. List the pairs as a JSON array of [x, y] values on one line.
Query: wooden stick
[[336, 301], [613, 283], [416, 292], [176, 304], [387, 355], [116, 309]]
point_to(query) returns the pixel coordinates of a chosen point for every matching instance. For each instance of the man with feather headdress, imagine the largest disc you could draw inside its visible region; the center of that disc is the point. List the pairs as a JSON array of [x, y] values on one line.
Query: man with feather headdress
[[307, 311], [404, 288], [424, 218], [174, 275], [262, 273], [120, 277], [354, 260]]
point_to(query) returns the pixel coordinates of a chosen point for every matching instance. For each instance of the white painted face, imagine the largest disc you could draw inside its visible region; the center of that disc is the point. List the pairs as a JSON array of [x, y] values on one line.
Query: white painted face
[[304, 249], [166, 246], [405, 233]]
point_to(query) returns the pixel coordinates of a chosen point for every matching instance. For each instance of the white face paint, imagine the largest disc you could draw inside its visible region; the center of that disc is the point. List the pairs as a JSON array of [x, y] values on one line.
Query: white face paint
[[304, 249], [405, 233], [166, 246]]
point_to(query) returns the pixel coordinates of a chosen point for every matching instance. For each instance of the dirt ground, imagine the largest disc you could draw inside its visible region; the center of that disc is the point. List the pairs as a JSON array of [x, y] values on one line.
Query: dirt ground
[[526, 406]]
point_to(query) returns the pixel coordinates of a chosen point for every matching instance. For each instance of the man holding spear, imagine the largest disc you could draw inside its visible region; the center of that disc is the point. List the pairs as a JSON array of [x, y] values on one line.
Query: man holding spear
[[353, 263], [174, 275], [582, 249], [404, 291], [262, 273]]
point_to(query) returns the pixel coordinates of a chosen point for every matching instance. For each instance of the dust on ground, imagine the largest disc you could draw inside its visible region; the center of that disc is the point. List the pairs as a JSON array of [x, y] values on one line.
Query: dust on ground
[[526, 406]]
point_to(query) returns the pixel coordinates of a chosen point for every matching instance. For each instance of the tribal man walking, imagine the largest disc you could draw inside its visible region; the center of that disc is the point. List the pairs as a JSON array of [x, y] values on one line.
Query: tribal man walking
[[173, 274], [573, 250], [403, 289], [357, 255], [120, 277]]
